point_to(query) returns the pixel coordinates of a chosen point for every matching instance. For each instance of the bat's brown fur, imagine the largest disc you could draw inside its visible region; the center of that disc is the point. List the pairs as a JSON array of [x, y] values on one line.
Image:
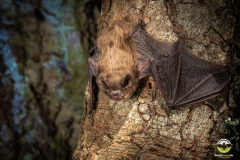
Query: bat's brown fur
[[117, 58]]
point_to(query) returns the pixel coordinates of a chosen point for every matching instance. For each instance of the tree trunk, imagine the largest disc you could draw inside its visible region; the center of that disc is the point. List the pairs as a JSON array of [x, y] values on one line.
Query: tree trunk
[[143, 127]]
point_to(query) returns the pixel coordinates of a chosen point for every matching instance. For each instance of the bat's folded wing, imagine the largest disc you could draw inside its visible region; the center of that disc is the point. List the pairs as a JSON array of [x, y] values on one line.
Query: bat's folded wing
[[92, 73], [182, 77], [199, 80]]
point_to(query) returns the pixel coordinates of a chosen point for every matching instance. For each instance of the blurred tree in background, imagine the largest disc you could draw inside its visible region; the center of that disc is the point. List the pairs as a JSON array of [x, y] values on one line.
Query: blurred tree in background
[[43, 71]]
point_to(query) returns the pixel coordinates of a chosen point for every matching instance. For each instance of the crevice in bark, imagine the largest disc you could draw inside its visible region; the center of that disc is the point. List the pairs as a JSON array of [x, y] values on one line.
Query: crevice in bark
[[183, 141], [172, 14]]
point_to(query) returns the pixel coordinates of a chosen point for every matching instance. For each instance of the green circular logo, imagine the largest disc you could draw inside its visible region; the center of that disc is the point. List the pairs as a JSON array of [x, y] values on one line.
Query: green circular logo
[[224, 146]]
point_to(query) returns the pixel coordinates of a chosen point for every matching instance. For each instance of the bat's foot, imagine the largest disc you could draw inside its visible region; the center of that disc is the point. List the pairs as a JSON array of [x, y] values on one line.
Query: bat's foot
[[90, 112], [95, 49], [172, 106], [139, 26]]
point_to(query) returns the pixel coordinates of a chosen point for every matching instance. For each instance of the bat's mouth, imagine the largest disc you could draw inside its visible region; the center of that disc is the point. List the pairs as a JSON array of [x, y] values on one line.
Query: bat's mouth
[[116, 97]]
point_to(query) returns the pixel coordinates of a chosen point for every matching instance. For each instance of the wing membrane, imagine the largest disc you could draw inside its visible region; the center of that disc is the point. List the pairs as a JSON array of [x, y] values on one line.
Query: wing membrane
[[182, 77]]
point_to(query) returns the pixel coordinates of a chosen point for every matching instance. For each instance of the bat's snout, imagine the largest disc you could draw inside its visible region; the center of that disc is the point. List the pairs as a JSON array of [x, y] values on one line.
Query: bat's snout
[[116, 95]]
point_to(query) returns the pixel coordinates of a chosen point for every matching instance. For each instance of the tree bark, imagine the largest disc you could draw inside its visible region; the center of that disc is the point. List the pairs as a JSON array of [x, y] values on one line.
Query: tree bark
[[143, 127]]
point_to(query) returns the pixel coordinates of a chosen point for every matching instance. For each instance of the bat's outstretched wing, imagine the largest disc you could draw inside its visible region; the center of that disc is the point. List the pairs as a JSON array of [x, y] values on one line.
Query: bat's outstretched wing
[[182, 77], [92, 73]]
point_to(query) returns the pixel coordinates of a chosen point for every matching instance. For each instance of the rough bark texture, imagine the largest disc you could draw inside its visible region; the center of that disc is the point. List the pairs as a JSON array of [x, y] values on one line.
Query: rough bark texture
[[143, 127]]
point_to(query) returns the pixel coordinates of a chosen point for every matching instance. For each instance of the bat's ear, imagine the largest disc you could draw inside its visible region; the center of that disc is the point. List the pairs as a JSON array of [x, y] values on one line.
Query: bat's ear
[[144, 69], [126, 80]]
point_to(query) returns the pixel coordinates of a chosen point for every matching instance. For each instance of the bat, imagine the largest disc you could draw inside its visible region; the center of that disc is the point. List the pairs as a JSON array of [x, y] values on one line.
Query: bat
[[123, 56]]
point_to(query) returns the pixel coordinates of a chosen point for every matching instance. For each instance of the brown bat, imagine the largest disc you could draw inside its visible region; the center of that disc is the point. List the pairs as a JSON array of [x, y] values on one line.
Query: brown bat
[[124, 55]]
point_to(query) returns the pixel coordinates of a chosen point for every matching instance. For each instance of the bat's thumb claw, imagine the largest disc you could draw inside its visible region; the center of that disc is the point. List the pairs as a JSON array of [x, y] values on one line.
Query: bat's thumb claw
[[151, 59]]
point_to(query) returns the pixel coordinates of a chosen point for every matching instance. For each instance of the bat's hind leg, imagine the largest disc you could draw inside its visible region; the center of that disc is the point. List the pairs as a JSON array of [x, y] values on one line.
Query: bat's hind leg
[[139, 26]]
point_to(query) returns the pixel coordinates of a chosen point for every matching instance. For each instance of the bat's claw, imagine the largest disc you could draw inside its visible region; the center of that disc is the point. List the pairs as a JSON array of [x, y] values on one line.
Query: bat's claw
[[91, 50], [139, 26], [90, 112]]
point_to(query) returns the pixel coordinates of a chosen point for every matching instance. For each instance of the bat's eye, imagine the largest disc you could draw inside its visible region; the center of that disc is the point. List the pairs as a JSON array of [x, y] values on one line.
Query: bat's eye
[[104, 84], [126, 80]]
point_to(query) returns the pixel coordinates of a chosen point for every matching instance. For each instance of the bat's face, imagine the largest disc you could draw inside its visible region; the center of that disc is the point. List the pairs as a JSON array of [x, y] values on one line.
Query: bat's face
[[117, 86]]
